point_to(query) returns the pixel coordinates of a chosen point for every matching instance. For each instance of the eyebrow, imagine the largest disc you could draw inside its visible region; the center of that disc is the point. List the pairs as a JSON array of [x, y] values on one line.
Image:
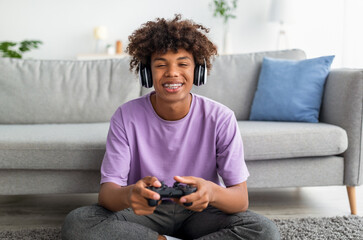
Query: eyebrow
[[179, 58]]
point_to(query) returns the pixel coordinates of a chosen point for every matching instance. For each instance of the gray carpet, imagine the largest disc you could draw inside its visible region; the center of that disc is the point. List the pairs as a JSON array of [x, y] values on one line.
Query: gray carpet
[[349, 227]]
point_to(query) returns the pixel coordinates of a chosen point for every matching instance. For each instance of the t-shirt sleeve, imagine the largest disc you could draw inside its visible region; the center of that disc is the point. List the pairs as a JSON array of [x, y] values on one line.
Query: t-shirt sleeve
[[116, 162], [231, 164]]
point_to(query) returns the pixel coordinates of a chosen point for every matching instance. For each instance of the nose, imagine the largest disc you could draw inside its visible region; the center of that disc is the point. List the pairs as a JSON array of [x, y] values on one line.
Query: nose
[[172, 71]]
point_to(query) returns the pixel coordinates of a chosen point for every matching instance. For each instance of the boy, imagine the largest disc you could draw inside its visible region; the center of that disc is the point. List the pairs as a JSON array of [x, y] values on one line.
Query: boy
[[171, 135]]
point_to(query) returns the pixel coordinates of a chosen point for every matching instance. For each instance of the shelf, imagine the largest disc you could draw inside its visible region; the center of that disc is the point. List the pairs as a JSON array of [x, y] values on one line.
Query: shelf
[[96, 56]]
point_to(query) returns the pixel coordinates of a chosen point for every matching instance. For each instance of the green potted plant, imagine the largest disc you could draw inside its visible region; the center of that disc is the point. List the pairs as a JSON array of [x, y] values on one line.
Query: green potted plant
[[16, 50], [225, 9]]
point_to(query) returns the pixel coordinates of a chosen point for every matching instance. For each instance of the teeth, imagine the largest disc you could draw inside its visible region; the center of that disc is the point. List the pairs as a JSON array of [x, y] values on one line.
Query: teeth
[[173, 86]]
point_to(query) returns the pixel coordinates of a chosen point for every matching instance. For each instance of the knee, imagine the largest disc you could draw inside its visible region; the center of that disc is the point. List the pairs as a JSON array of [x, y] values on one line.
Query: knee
[[256, 226], [269, 230], [70, 224], [75, 223]]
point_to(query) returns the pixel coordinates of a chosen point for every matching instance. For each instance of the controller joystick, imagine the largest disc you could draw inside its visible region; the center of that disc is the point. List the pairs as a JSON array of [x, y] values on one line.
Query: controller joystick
[[177, 191]]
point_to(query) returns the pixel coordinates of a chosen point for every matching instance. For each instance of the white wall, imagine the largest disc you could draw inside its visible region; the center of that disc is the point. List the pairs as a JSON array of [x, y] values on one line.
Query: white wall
[[320, 27]]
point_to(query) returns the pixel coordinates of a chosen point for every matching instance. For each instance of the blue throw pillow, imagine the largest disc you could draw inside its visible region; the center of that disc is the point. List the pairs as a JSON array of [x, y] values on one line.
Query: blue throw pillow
[[290, 90]]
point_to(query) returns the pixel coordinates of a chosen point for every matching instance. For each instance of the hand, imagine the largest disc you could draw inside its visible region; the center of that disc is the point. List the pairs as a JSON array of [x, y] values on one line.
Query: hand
[[139, 194], [201, 198]]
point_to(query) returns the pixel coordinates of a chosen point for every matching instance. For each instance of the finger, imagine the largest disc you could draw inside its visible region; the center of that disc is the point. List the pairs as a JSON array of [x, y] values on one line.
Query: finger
[[186, 180], [141, 190], [151, 181], [196, 197], [189, 198], [197, 206], [147, 193], [141, 200], [156, 183], [177, 201]]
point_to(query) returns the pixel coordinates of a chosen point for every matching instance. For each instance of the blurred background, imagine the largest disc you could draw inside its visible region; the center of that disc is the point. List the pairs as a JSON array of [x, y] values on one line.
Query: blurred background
[[72, 29]]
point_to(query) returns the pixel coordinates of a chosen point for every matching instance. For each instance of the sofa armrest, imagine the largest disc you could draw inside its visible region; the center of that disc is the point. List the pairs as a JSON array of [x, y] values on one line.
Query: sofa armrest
[[343, 106]]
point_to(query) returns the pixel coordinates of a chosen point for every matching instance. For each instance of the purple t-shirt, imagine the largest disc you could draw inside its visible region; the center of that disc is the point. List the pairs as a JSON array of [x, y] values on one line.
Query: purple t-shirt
[[205, 143]]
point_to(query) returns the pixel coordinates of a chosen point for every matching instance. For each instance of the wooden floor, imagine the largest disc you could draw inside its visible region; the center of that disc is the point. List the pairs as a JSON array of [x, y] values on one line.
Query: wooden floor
[[304, 202], [50, 210]]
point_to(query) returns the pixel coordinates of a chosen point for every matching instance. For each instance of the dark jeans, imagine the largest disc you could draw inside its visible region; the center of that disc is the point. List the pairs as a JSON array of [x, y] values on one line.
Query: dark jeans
[[96, 222]]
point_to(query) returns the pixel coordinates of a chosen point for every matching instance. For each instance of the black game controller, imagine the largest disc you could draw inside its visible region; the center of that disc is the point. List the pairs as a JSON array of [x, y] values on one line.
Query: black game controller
[[177, 191]]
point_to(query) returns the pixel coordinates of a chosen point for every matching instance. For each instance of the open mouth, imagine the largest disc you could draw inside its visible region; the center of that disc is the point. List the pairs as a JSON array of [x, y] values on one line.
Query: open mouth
[[172, 86]]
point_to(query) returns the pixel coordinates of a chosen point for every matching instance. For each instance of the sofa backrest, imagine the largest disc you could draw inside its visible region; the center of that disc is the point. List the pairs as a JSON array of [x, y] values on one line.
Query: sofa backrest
[[64, 91], [74, 91], [233, 79]]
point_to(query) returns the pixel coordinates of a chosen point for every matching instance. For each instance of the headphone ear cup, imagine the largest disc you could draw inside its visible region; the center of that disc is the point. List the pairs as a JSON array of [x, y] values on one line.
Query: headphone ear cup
[[145, 76], [200, 74]]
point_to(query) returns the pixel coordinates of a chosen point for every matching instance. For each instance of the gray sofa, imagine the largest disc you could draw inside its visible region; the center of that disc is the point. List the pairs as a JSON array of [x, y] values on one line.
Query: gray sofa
[[54, 118]]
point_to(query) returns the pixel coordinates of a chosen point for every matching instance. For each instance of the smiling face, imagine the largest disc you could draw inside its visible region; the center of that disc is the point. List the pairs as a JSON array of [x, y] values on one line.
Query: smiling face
[[173, 74]]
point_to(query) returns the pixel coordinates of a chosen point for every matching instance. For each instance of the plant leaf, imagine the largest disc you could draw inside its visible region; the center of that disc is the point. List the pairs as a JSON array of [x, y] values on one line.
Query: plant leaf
[[26, 45]]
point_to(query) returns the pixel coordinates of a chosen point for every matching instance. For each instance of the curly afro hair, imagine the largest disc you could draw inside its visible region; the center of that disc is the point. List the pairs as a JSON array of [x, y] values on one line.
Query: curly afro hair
[[163, 35]]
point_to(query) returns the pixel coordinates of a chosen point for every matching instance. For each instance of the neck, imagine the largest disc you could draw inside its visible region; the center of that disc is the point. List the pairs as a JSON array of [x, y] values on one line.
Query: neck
[[171, 111]]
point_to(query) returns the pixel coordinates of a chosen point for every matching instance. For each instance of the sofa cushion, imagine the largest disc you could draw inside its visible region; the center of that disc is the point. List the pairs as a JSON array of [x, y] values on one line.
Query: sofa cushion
[[296, 172], [290, 90], [275, 140], [233, 79], [82, 146], [64, 91], [53, 146]]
